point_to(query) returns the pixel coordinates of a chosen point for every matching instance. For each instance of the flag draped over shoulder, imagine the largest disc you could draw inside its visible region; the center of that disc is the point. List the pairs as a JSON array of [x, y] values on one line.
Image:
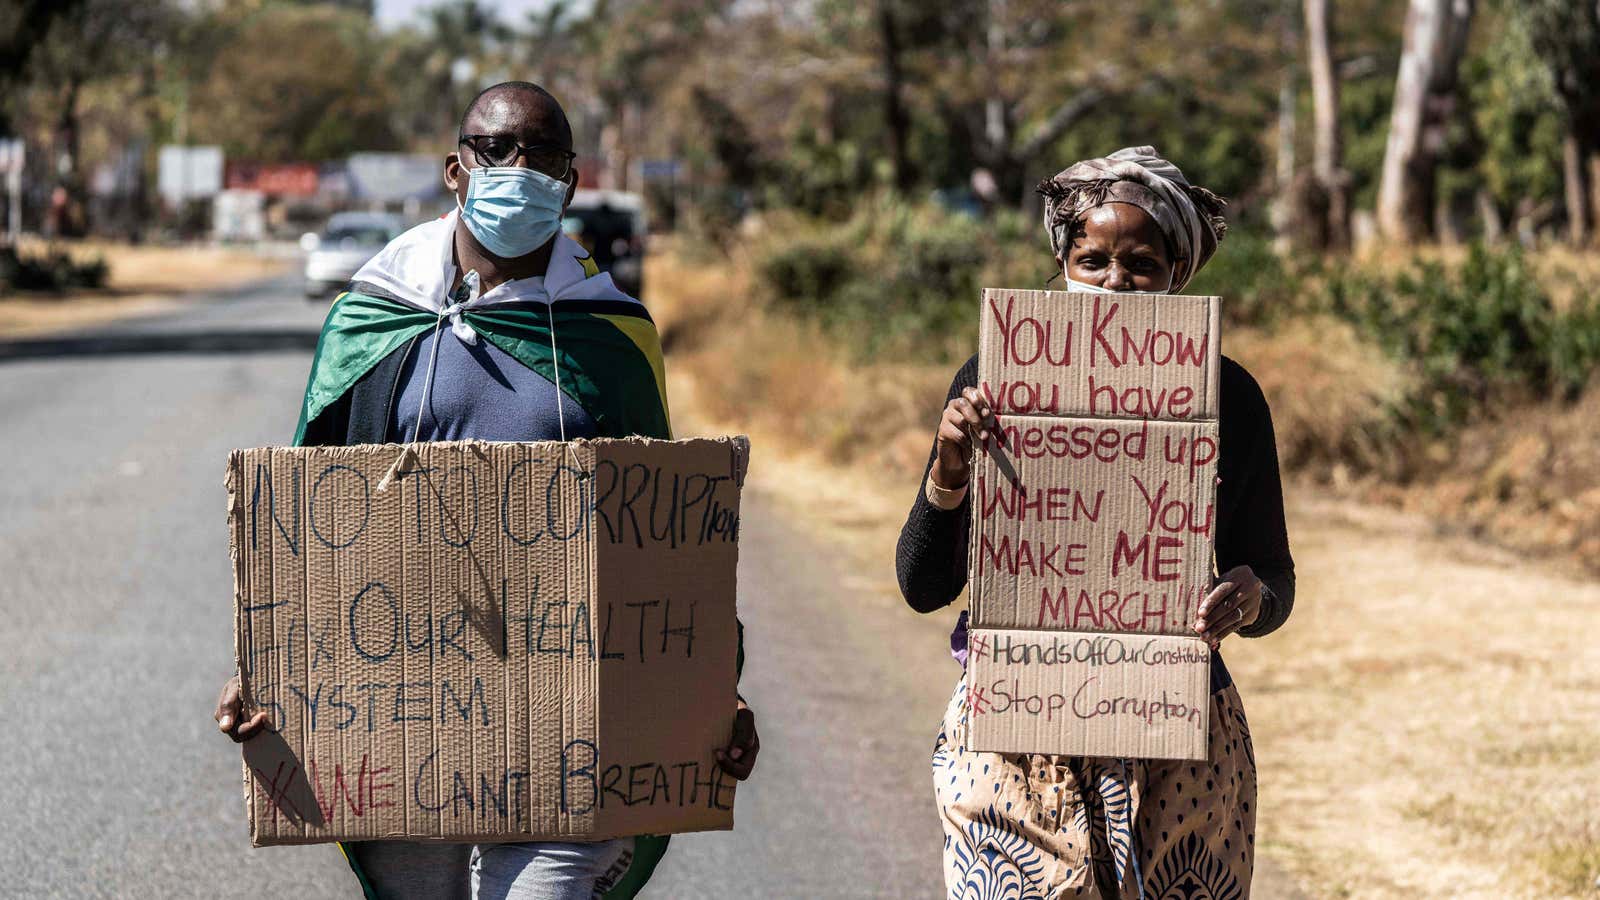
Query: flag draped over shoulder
[[572, 326], [605, 353]]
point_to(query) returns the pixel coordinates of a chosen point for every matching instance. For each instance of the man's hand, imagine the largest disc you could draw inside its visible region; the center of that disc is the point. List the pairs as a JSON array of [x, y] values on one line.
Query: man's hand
[[964, 417], [1234, 603], [739, 759], [229, 713]]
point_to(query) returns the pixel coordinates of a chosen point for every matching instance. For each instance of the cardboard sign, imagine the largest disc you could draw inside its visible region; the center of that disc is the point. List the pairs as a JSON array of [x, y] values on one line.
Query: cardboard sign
[[1094, 525], [1101, 356], [487, 641], [1093, 522], [1129, 695]]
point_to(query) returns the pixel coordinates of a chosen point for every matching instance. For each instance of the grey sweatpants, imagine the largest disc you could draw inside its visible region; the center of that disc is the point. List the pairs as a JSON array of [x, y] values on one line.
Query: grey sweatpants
[[545, 870]]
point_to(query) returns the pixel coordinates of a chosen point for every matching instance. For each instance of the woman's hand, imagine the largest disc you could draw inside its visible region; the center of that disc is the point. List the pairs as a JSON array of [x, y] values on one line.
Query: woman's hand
[[1234, 603], [964, 417], [739, 759]]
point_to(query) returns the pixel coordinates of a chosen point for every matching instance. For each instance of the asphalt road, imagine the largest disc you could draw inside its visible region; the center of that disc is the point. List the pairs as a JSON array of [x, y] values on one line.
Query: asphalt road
[[116, 601], [116, 597]]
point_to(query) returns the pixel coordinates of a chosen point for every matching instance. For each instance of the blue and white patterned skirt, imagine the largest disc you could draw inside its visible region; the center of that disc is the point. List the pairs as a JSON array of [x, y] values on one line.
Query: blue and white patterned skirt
[[1033, 827]]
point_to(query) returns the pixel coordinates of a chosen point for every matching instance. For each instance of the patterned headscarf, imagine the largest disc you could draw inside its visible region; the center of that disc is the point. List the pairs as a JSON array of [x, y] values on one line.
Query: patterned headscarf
[[1189, 215]]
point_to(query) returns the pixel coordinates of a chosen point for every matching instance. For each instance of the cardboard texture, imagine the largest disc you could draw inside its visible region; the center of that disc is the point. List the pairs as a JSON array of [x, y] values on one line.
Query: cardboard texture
[[1117, 540], [1127, 695], [1094, 516], [476, 641], [1103, 356]]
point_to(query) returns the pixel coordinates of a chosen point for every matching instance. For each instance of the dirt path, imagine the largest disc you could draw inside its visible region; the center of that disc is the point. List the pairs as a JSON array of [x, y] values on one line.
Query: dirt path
[[143, 281], [1425, 723]]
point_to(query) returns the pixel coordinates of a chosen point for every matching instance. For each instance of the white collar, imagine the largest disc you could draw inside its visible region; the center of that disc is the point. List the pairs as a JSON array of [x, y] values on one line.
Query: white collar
[[418, 268]]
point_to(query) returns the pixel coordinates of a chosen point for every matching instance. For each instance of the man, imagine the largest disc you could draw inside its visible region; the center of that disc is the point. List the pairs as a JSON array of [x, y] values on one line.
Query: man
[[491, 324]]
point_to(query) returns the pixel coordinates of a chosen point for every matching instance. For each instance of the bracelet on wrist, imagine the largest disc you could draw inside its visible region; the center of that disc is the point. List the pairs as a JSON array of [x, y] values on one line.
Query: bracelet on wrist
[[941, 496]]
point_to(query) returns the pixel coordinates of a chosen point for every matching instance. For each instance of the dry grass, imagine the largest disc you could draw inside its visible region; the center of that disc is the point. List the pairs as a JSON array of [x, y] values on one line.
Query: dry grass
[[142, 280], [149, 269], [1426, 724], [1529, 480], [783, 377], [1330, 392]]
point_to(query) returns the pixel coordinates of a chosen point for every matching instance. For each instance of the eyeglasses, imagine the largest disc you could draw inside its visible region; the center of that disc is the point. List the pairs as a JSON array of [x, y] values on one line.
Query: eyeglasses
[[499, 150]]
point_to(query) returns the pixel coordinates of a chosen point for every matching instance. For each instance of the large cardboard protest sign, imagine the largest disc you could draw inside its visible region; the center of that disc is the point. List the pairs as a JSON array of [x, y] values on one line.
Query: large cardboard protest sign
[[1102, 356], [1093, 524], [487, 641]]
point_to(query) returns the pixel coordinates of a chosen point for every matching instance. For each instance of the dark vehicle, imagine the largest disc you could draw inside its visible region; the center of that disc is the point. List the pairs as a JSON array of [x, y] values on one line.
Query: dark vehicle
[[610, 225]]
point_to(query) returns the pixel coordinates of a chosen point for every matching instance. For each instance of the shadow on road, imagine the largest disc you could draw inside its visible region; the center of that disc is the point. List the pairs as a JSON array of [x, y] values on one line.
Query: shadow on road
[[264, 340]]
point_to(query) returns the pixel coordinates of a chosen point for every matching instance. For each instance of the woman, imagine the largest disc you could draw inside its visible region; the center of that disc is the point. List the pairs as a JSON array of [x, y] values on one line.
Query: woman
[[1027, 825]]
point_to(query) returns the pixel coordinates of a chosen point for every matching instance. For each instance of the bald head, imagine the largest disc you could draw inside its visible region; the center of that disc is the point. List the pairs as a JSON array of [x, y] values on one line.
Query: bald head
[[521, 110], [514, 123]]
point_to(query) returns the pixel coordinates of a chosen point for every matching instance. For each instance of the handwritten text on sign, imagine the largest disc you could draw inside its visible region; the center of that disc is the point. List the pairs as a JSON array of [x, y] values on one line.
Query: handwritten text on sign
[[1108, 356], [502, 641], [1094, 525], [1145, 695], [1094, 516]]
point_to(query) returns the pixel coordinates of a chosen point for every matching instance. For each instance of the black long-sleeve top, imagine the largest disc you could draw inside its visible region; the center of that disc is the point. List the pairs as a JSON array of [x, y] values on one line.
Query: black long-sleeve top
[[931, 559]]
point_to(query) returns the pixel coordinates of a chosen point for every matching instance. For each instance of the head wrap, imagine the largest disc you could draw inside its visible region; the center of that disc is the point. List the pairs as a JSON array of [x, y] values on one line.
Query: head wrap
[[1189, 215]]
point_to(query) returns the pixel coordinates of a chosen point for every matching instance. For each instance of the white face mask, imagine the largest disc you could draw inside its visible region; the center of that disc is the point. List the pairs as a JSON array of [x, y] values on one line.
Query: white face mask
[[1079, 287]]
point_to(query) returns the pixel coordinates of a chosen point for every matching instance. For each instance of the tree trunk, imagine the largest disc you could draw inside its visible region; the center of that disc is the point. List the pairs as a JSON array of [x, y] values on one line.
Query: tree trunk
[[998, 157], [1288, 38], [1594, 181], [1494, 229], [1285, 154], [70, 215], [1575, 178], [1424, 100], [894, 111], [1328, 149]]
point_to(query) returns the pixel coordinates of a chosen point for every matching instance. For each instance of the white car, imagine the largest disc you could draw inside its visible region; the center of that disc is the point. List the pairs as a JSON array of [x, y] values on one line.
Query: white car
[[345, 245]]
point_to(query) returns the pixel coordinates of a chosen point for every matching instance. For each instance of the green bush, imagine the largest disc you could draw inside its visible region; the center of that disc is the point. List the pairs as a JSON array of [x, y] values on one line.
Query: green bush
[[1480, 331], [898, 278], [49, 271], [809, 267], [1256, 284], [1574, 350]]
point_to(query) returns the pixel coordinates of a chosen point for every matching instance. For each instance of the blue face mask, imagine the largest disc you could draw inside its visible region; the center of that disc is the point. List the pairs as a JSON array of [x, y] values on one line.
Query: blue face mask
[[512, 211]]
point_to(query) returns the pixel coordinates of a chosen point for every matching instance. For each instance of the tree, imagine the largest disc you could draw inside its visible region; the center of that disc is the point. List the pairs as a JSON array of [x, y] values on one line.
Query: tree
[[294, 83], [895, 118], [1327, 148], [1566, 35], [1424, 101], [23, 26], [96, 43]]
